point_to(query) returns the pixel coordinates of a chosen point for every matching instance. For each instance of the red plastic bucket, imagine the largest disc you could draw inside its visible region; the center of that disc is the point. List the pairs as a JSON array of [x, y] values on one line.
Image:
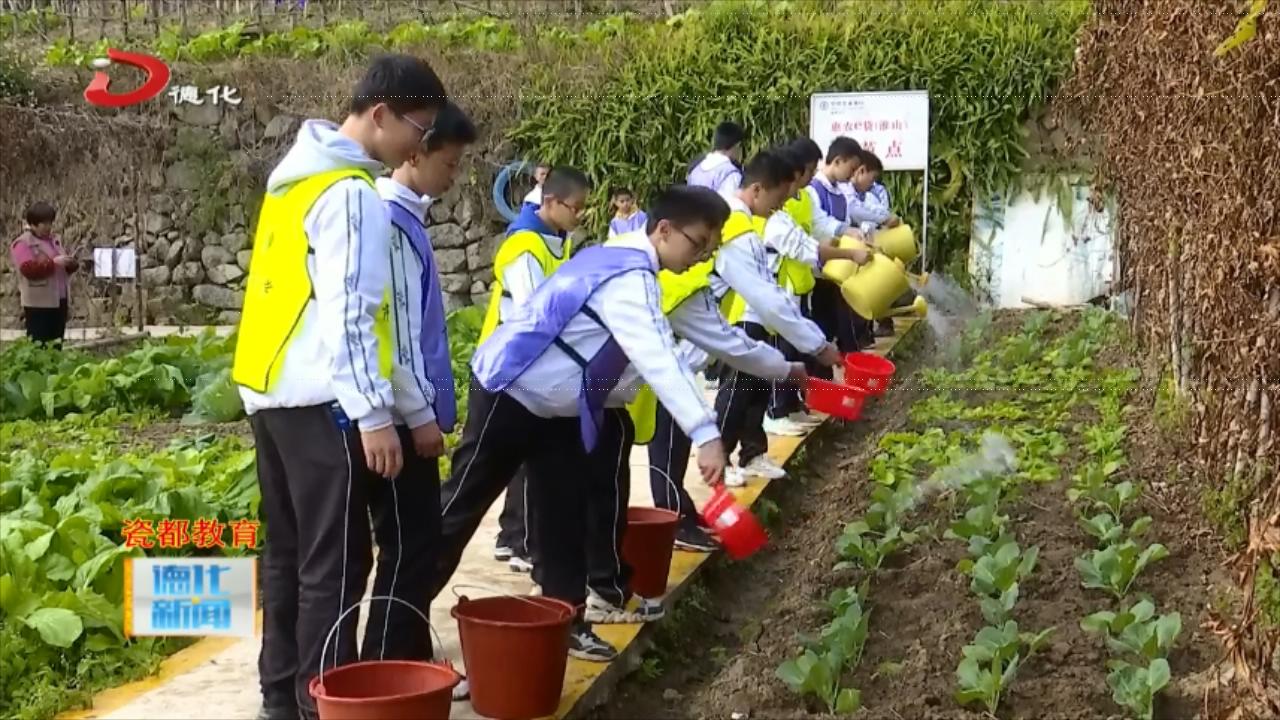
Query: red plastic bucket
[[385, 690], [740, 533], [515, 649], [835, 399], [647, 547], [868, 371]]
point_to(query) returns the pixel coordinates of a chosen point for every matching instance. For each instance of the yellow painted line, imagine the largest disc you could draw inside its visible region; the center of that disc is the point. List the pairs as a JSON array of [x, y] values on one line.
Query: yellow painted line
[[581, 675]]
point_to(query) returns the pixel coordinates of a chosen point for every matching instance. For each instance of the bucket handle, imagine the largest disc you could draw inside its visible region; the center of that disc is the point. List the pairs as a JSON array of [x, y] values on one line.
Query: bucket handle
[[671, 483], [494, 590], [334, 628]]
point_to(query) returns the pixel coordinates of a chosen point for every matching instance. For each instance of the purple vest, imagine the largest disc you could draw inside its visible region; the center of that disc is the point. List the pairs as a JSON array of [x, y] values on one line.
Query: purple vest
[[434, 342], [831, 201], [520, 340], [621, 226], [711, 178]]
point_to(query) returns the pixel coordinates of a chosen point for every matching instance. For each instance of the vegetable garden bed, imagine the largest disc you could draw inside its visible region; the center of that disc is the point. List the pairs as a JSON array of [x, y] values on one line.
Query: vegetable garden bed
[[1007, 540], [87, 443]]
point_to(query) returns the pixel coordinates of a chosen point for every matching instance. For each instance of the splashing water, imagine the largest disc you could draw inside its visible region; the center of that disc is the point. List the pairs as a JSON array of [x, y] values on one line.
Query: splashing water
[[994, 456], [951, 308]]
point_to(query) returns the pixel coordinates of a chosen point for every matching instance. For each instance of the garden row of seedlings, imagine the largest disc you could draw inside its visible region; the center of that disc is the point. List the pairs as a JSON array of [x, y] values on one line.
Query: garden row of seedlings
[[996, 563], [1048, 385], [1138, 638]]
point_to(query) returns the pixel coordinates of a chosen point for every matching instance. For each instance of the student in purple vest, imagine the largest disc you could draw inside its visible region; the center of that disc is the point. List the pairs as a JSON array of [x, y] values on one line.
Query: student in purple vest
[[826, 306], [545, 394], [626, 216], [719, 169], [406, 509], [533, 198]]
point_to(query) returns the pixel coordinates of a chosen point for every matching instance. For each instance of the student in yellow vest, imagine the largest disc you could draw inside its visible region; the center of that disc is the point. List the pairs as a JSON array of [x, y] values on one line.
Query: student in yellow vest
[[802, 236], [762, 308], [312, 374], [406, 511], [537, 244]]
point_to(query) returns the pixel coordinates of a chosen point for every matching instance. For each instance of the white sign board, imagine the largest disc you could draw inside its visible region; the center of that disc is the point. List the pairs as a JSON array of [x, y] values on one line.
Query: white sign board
[[893, 125], [115, 262]]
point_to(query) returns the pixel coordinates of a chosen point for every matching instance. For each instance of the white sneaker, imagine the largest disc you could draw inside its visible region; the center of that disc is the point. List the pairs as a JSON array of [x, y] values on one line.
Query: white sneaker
[[763, 467], [734, 477], [602, 612], [804, 419], [783, 427], [518, 564]]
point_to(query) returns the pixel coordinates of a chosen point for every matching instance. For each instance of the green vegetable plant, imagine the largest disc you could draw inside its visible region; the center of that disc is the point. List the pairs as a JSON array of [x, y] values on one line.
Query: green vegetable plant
[[994, 578], [990, 663], [1135, 686], [1115, 567], [1109, 531], [1092, 480], [1114, 498], [1138, 630], [859, 543], [816, 672]]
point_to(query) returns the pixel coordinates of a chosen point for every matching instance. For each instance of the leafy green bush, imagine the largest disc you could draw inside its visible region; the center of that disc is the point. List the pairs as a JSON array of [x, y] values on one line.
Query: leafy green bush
[[657, 102]]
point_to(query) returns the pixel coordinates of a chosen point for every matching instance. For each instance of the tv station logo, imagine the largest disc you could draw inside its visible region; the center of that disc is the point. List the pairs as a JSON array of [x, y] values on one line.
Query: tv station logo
[[158, 74]]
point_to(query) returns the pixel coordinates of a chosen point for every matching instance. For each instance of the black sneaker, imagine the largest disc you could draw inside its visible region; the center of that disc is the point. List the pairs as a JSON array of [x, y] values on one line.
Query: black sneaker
[[584, 644], [884, 328], [695, 539], [502, 553], [278, 713]]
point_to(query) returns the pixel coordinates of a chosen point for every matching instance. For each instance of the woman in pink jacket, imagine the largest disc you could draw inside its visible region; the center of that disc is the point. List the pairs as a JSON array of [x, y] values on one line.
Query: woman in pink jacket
[[43, 268]]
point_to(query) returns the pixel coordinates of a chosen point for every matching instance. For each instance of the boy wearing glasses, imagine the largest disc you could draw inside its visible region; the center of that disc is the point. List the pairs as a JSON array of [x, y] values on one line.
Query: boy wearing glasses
[[313, 374], [406, 510], [549, 388], [537, 244]]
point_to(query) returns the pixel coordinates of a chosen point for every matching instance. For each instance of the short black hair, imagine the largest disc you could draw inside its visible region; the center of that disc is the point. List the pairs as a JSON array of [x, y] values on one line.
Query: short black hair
[[843, 147], [769, 169], [405, 83], [871, 161], [727, 135], [791, 157], [564, 182], [40, 212], [452, 127], [684, 205], [621, 190], [807, 149]]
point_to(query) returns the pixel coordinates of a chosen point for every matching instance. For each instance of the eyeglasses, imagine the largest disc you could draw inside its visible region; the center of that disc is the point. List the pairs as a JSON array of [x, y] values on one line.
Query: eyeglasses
[[577, 210], [702, 250], [426, 131]]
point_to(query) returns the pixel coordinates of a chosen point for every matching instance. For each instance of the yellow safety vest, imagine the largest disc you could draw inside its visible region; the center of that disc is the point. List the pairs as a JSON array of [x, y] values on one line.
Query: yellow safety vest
[[676, 288], [793, 274], [516, 244], [279, 286]]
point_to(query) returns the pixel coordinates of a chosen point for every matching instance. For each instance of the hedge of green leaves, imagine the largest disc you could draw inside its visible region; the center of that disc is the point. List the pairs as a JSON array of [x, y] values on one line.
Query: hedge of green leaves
[[655, 105]]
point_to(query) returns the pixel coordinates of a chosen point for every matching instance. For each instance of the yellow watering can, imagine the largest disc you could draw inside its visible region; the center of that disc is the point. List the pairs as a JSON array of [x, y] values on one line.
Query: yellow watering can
[[872, 288], [919, 308], [898, 242], [838, 271]]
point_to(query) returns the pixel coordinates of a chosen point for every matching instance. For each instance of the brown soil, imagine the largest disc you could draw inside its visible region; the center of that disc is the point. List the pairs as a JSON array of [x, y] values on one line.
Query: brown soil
[[720, 660]]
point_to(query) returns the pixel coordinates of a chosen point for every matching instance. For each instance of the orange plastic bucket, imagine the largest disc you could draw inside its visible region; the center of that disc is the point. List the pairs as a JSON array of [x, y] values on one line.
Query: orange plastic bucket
[[647, 547], [515, 649], [385, 690], [740, 533], [834, 399], [868, 371]]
